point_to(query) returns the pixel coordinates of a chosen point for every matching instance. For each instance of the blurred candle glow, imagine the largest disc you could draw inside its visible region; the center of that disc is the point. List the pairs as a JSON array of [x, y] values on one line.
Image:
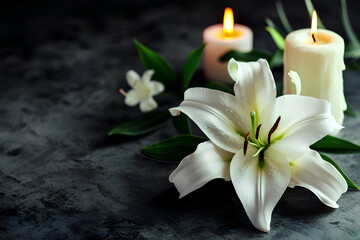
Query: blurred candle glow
[[314, 26], [221, 38], [228, 23]]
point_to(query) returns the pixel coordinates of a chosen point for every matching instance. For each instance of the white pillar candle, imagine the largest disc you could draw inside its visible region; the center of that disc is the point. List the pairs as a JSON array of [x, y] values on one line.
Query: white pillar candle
[[219, 39], [319, 61]]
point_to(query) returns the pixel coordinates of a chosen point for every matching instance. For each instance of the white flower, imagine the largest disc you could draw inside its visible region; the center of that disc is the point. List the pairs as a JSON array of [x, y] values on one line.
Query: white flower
[[295, 79], [259, 142], [143, 90]]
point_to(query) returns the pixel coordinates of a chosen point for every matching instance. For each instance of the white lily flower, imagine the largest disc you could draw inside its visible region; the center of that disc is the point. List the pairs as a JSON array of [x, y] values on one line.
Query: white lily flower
[[259, 142], [143, 90]]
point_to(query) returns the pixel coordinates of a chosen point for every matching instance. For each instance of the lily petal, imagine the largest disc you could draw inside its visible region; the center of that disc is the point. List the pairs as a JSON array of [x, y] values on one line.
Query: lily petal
[[206, 163], [304, 121], [147, 104], [156, 87], [254, 82], [147, 75], [233, 68], [319, 176], [132, 78], [221, 116], [132, 98], [259, 187], [295, 79]]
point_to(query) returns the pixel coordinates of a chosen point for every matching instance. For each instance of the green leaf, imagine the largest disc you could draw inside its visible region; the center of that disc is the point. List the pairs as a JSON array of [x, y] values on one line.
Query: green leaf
[[173, 149], [270, 23], [279, 88], [145, 124], [335, 145], [254, 55], [168, 94], [283, 18], [192, 62], [353, 65], [350, 183], [152, 60], [220, 86], [310, 9], [349, 111], [277, 37], [277, 59], [347, 25], [351, 47], [354, 53], [182, 124]]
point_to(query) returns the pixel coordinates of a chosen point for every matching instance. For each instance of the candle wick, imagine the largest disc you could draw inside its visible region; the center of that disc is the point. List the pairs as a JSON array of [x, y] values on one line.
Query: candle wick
[[313, 37]]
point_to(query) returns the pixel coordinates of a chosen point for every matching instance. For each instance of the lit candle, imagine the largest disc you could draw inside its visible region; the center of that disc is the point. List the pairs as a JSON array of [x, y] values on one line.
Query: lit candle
[[221, 38], [318, 57]]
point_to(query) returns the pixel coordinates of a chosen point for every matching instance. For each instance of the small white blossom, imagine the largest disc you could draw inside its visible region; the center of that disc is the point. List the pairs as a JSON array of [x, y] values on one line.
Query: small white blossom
[[143, 90], [259, 142]]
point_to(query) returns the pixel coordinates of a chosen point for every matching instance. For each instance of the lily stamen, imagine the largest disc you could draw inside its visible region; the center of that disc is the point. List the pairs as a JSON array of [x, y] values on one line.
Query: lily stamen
[[258, 152], [253, 121], [253, 144], [246, 142], [273, 129], [122, 92], [257, 132]]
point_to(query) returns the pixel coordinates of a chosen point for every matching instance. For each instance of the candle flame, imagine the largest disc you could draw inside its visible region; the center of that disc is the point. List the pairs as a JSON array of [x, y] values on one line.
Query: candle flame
[[314, 26], [228, 24]]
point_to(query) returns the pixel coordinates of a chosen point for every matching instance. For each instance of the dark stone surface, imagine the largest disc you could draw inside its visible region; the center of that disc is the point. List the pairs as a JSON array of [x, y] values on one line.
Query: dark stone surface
[[61, 65]]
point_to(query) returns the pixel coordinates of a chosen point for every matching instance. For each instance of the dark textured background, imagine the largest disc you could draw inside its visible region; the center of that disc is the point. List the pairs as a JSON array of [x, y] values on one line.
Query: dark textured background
[[61, 65]]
